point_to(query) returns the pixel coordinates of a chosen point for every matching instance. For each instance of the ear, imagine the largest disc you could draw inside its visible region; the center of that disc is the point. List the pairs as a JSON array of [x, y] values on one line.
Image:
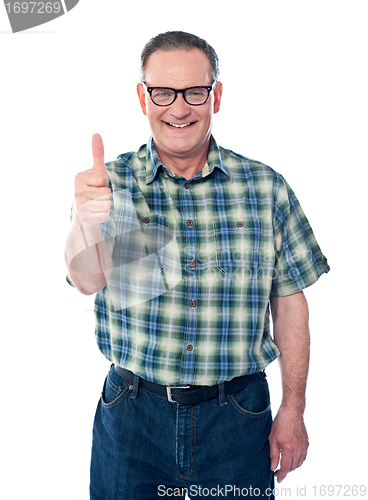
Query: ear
[[142, 97], [217, 93]]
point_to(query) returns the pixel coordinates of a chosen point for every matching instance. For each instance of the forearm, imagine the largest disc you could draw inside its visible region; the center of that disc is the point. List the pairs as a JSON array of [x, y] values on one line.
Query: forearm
[[291, 333], [288, 437], [87, 257]]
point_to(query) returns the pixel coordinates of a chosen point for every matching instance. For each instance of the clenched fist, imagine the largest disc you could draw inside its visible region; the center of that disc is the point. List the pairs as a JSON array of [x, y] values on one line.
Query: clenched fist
[[91, 192]]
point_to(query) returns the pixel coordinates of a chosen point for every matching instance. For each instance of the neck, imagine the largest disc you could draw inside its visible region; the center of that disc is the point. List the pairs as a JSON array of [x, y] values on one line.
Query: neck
[[187, 167]]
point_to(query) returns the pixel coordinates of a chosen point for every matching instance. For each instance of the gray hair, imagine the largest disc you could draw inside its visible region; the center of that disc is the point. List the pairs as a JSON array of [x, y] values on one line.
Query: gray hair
[[174, 40]]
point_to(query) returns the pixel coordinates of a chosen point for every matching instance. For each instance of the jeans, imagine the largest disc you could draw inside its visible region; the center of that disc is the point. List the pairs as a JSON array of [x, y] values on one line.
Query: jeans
[[146, 448]]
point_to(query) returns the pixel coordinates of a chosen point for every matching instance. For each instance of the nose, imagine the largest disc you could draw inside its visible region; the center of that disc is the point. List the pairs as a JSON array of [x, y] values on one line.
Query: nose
[[179, 108]]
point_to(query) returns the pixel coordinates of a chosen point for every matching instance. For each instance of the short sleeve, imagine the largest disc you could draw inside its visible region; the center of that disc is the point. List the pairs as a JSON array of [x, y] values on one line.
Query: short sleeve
[[299, 259]]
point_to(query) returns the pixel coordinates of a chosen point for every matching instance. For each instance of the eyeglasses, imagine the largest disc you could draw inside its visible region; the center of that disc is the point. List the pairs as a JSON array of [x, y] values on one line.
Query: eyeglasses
[[164, 96]]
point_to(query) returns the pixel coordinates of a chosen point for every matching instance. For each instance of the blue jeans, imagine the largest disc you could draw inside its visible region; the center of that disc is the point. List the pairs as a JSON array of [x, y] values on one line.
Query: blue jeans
[[146, 448]]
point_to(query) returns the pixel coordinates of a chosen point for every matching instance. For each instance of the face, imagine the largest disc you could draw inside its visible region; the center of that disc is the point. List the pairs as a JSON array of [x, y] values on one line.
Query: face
[[180, 69]]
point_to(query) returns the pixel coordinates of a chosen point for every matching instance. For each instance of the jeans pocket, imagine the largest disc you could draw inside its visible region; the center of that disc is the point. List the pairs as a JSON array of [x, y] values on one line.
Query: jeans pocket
[[254, 399], [114, 390]]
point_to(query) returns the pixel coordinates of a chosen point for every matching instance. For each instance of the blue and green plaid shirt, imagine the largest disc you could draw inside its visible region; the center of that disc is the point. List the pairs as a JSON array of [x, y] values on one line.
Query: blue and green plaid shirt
[[195, 264]]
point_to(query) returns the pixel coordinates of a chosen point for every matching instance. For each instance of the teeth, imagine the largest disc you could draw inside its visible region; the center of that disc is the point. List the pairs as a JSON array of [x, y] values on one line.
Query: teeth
[[179, 126]]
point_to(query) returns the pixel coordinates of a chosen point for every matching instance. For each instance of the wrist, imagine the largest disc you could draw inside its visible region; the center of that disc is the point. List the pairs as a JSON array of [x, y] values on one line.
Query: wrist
[[91, 233], [293, 405]]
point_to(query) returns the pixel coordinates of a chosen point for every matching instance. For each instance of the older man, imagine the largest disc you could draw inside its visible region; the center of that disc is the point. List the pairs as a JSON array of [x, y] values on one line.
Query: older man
[[187, 244]]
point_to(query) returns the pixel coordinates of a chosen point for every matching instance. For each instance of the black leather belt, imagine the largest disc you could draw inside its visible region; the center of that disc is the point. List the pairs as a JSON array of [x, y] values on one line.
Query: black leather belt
[[187, 394]]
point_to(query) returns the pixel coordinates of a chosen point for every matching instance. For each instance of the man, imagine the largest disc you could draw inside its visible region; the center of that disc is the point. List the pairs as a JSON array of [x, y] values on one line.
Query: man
[[187, 244]]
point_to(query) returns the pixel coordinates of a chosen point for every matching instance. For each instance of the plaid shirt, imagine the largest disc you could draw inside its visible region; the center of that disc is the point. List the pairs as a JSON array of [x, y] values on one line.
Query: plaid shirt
[[195, 264]]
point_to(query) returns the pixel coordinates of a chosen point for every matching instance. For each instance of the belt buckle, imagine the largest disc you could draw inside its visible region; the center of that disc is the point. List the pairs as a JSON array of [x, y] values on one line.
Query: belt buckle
[[169, 388]]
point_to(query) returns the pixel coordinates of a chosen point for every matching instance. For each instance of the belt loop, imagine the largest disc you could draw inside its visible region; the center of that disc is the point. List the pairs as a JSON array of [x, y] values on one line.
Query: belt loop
[[135, 387], [222, 396]]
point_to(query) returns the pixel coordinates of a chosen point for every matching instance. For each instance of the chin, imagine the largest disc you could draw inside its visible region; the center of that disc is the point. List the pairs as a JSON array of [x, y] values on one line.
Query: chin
[[178, 147]]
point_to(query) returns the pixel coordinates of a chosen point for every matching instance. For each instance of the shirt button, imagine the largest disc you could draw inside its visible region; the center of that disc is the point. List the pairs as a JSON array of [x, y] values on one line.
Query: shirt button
[[190, 222], [146, 220], [192, 263], [240, 224], [189, 347], [192, 303], [186, 185]]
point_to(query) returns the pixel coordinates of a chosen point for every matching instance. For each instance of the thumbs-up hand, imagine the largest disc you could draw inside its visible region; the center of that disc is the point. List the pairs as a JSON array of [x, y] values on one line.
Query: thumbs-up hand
[[91, 192]]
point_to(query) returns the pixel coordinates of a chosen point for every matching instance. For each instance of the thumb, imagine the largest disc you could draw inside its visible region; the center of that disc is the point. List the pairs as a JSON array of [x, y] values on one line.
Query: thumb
[[98, 153], [274, 454]]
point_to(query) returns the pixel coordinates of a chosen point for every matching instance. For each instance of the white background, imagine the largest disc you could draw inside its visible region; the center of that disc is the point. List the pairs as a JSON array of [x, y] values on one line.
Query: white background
[[295, 97]]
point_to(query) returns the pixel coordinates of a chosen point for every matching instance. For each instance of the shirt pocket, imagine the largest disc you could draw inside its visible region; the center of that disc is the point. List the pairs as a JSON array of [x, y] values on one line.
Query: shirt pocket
[[238, 243], [141, 247], [146, 262]]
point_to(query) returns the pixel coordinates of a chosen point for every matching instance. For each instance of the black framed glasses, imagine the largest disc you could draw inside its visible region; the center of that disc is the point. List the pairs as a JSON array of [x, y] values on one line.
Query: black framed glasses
[[165, 96]]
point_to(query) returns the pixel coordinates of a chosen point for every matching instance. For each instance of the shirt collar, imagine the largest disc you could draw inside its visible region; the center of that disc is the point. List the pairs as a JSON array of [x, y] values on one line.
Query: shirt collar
[[153, 162]]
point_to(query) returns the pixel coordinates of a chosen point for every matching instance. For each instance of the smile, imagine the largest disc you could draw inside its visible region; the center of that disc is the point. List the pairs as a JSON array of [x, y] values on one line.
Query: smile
[[177, 125]]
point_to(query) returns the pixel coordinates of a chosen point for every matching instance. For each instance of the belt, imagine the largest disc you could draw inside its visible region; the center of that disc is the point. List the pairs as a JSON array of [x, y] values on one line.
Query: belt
[[187, 394]]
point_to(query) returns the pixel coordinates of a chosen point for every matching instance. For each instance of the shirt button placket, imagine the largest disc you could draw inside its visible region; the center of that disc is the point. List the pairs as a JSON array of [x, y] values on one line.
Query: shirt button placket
[[190, 241]]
